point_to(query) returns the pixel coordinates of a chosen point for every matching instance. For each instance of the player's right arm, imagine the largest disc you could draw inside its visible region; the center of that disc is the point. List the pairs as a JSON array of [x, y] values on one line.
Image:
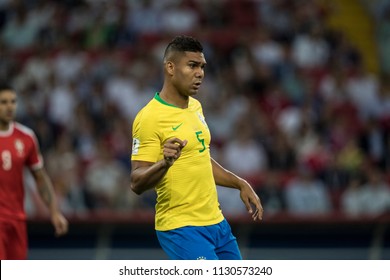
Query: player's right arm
[[46, 191], [145, 175]]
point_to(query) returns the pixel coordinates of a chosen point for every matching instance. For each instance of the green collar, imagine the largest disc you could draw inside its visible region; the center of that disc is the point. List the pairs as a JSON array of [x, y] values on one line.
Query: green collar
[[159, 99]]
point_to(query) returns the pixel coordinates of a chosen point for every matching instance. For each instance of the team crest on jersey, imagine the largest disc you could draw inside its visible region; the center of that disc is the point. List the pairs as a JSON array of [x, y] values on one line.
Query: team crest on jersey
[[201, 258], [135, 148], [202, 119], [19, 147]]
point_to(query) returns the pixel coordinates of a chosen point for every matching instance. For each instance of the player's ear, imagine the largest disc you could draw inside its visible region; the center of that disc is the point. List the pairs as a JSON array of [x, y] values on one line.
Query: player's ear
[[169, 67]]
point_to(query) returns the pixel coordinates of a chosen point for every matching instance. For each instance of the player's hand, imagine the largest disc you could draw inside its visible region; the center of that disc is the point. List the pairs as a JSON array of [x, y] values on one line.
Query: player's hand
[[60, 224], [172, 150], [249, 197]]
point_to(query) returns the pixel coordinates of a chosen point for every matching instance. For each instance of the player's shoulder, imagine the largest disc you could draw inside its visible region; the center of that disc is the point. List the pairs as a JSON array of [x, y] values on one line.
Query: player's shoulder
[[195, 104], [147, 113], [23, 130], [148, 108]]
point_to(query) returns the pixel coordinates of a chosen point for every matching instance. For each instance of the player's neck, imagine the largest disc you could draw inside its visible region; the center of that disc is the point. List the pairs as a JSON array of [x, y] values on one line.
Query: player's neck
[[4, 126], [173, 97]]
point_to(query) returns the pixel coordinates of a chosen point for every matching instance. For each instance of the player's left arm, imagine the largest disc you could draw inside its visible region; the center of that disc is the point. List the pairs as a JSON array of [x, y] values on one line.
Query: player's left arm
[[226, 178], [46, 192]]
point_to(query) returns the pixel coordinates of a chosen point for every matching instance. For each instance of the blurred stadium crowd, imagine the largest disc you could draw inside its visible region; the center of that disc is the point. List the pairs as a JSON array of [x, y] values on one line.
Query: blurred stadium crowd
[[291, 105]]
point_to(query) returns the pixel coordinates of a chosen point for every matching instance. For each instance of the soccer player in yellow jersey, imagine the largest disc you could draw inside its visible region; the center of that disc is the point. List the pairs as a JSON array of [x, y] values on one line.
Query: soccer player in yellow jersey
[[171, 154]]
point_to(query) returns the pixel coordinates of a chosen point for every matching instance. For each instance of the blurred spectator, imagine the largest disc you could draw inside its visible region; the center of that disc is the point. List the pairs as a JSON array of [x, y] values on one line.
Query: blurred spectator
[[272, 193], [266, 50], [25, 27], [244, 64], [78, 18], [122, 36], [274, 101], [226, 111], [179, 17], [308, 144], [117, 137], [63, 166], [289, 121], [363, 89], [242, 154], [212, 13], [32, 103], [62, 103], [104, 179], [9, 64], [281, 154], [41, 13], [335, 177], [332, 87], [339, 132], [310, 49], [376, 194], [370, 198], [277, 16], [144, 16], [121, 91], [143, 86], [306, 195], [292, 78], [38, 68], [372, 141], [86, 136], [97, 33], [69, 62], [54, 33], [352, 198], [351, 157]]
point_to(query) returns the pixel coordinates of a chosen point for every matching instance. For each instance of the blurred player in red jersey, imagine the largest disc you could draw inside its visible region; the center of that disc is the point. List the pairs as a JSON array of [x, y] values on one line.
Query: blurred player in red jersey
[[19, 149]]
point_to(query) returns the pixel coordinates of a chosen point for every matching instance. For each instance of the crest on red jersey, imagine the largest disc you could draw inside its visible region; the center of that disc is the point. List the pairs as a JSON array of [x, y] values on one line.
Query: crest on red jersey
[[19, 147]]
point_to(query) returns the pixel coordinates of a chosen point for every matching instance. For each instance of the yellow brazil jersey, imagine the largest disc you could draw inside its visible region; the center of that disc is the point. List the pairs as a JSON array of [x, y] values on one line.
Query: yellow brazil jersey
[[187, 194]]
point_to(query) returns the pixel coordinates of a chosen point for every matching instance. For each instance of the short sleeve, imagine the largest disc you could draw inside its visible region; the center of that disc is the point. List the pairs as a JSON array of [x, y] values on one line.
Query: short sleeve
[[146, 142], [34, 158]]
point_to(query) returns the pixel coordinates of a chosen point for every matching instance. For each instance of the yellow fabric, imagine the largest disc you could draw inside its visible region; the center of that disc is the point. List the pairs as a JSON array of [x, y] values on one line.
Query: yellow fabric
[[187, 194]]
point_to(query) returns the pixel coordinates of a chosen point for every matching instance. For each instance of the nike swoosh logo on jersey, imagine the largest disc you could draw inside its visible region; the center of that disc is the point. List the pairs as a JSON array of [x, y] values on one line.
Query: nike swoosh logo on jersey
[[176, 127]]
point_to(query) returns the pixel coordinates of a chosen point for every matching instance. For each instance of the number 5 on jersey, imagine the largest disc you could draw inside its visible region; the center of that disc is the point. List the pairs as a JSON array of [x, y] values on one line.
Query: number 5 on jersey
[[198, 133]]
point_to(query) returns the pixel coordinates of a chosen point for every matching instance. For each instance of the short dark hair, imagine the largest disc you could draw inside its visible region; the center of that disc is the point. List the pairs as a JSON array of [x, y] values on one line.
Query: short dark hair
[[183, 43], [5, 86]]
